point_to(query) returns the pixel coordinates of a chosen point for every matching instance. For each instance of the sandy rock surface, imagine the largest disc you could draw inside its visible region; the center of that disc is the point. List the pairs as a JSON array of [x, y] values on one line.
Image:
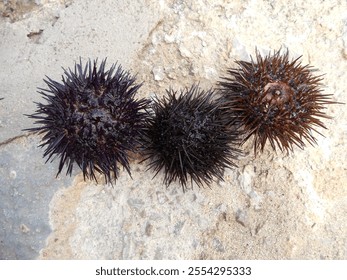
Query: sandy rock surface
[[274, 206]]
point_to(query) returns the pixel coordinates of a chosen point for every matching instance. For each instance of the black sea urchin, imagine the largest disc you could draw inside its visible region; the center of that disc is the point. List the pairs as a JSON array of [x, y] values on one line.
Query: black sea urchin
[[91, 119], [276, 99], [188, 136]]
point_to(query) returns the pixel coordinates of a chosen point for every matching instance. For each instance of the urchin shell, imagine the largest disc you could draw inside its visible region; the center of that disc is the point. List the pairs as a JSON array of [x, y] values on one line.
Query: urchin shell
[[188, 137], [92, 119], [276, 100]]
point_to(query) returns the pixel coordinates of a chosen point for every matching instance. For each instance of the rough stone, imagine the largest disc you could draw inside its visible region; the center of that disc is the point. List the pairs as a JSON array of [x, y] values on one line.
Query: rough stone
[[273, 206], [27, 187]]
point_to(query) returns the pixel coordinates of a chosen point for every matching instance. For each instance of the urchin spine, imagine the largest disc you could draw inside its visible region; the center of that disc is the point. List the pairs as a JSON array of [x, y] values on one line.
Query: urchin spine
[[189, 137], [276, 100], [92, 119]]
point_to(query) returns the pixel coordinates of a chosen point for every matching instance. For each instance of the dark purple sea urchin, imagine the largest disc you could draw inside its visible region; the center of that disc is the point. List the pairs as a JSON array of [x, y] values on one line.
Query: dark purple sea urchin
[[91, 119], [189, 138], [276, 99]]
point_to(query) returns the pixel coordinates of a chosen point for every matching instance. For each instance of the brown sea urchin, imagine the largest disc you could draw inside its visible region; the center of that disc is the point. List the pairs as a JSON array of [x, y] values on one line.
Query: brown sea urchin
[[276, 100], [189, 138], [92, 119]]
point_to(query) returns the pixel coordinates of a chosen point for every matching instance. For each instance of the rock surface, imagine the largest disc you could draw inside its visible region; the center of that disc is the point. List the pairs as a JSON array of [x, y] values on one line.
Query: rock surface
[[274, 206]]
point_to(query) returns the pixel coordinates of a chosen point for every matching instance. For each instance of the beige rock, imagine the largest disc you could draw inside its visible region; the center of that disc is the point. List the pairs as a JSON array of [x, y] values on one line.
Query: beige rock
[[274, 206]]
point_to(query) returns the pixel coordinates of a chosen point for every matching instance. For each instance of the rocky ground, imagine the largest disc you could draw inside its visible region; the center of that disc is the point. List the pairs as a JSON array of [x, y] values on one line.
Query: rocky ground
[[274, 206]]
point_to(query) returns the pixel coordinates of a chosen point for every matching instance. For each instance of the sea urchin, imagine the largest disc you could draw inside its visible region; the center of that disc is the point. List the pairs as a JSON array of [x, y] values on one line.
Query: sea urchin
[[188, 136], [276, 99], [91, 119]]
